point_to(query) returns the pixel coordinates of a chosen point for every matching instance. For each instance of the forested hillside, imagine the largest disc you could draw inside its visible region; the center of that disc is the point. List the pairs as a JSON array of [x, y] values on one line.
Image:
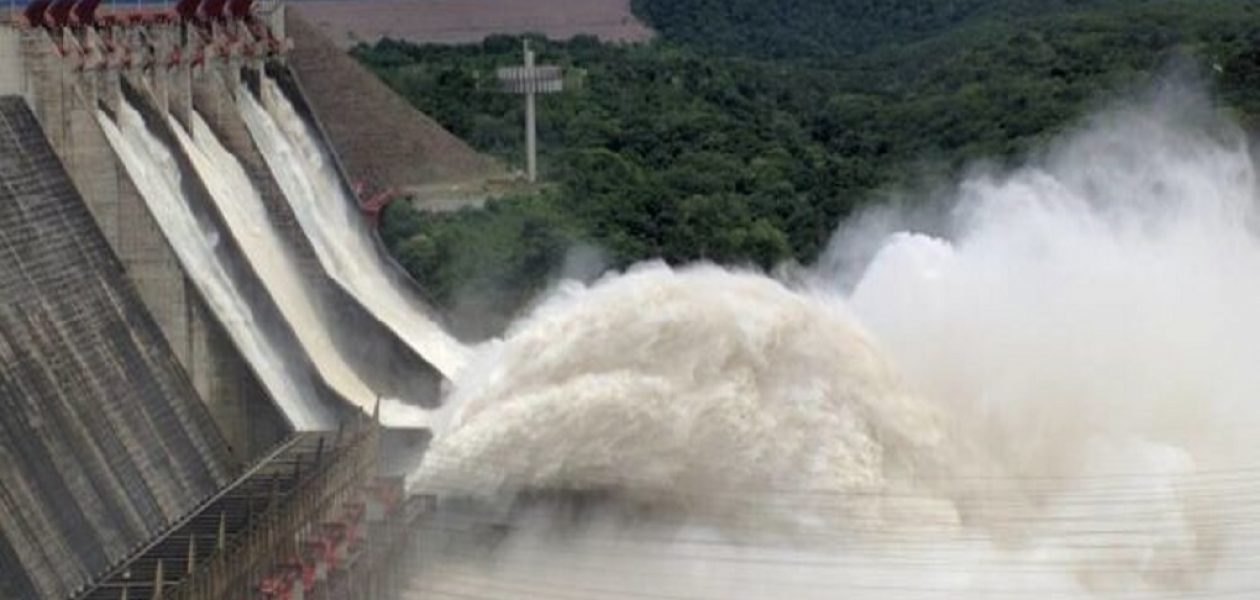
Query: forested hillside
[[751, 128], [796, 29]]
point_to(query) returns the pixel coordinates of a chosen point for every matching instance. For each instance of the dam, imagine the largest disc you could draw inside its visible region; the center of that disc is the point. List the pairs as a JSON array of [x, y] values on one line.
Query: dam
[[211, 366]]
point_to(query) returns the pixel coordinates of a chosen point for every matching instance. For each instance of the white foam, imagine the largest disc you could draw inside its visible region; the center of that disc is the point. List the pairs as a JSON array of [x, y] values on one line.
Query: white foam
[[1057, 400], [157, 176], [246, 217], [328, 215]]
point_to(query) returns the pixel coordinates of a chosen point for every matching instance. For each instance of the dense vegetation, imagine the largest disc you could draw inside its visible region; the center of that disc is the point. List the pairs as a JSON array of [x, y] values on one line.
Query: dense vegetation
[[826, 28], [752, 127]]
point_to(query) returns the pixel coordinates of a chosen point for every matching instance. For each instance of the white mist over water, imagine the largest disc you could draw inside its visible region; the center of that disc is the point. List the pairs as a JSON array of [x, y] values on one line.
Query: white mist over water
[[158, 178], [246, 217], [329, 217], [673, 371], [1057, 398]]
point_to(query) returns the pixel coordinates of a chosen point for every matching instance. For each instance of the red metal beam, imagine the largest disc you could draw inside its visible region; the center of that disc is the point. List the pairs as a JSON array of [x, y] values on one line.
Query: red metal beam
[[35, 12], [134, 16], [240, 8], [374, 204], [187, 9], [212, 10], [85, 11], [59, 13]]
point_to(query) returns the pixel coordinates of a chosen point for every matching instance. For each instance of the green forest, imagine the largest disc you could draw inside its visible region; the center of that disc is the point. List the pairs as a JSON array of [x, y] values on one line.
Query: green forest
[[748, 129]]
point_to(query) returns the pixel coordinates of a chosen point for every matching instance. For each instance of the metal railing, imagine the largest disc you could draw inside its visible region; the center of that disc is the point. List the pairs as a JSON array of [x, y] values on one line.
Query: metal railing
[[238, 567]]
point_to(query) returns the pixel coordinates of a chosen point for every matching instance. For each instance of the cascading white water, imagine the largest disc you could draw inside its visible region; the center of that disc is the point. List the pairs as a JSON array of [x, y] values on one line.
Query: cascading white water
[[246, 217], [157, 176], [668, 385], [328, 215], [1058, 400]]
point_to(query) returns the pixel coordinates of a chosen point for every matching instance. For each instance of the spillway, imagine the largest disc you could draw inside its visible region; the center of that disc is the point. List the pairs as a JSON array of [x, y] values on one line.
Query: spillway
[[156, 174], [246, 217], [184, 343], [327, 214]]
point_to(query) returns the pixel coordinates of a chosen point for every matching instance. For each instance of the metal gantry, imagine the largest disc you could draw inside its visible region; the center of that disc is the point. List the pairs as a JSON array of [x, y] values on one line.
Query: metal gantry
[[300, 514]]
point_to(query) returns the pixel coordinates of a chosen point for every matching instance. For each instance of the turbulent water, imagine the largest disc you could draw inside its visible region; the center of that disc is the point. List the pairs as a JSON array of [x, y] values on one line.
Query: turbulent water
[[644, 382], [327, 214], [157, 176], [246, 217], [1051, 393]]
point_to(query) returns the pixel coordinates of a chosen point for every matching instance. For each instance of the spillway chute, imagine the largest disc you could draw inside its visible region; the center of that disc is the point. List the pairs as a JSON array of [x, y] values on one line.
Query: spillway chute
[[158, 177], [327, 213], [238, 201]]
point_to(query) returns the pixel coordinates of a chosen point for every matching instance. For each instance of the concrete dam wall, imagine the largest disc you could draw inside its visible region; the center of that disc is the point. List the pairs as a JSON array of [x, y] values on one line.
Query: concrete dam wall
[[65, 101], [103, 440], [387, 142], [368, 312], [213, 303]]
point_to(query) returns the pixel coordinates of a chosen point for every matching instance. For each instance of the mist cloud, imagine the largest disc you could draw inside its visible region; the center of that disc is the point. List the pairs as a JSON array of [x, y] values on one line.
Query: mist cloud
[[1045, 388]]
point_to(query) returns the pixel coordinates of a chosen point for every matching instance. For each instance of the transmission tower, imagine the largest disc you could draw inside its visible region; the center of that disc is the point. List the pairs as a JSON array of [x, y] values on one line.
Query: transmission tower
[[530, 80]]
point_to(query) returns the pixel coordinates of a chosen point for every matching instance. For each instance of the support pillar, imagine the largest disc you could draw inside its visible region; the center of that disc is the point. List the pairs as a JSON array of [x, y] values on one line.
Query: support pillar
[[531, 125], [158, 580]]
